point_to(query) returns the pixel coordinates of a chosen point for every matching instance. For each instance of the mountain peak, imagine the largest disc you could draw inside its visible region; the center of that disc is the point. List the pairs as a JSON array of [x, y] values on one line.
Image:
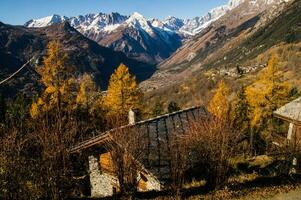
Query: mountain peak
[[46, 21], [137, 21], [137, 15], [173, 23]]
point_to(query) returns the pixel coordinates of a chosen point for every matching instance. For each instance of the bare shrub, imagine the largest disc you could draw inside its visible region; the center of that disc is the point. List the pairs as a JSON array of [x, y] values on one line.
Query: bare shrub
[[53, 139], [212, 143], [126, 147], [35, 160], [180, 162]]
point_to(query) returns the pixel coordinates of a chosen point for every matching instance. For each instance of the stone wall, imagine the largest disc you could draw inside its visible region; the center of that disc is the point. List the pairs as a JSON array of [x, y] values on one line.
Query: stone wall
[[152, 184], [101, 183]]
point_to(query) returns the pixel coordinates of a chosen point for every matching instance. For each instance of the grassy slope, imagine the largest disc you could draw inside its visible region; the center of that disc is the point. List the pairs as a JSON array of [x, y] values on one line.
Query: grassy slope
[[285, 28]]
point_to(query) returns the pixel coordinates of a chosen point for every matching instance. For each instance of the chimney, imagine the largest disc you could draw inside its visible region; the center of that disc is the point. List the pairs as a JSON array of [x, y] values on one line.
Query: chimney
[[133, 116]]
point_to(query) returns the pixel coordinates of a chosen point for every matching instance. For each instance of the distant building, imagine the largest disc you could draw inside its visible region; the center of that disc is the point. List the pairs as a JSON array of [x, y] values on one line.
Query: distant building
[[154, 172]]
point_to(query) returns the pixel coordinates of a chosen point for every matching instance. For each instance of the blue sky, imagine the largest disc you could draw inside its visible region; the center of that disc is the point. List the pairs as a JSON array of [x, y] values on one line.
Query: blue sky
[[20, 11]]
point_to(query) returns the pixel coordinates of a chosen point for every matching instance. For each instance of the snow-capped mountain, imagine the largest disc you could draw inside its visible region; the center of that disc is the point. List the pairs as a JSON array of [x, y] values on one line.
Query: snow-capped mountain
[[138, 22], [97, 22], [146, 40], [46, 21], [173, 23], [142, 39], [197, 24], [150, 40], [109, 22]]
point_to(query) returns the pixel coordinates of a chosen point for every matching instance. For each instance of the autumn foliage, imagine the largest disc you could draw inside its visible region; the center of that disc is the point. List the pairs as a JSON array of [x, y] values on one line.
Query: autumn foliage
[[219, 105], [268, 93], [58, 79], [123, 92]]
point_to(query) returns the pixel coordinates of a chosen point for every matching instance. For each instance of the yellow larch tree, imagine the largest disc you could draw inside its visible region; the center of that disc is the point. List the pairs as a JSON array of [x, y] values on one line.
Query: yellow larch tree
[[267, 94], [57, 79], [123, 92], [219, 105]]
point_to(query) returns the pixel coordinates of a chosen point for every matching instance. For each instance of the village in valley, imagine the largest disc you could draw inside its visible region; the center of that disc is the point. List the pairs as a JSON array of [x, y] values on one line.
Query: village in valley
[[109, 106]]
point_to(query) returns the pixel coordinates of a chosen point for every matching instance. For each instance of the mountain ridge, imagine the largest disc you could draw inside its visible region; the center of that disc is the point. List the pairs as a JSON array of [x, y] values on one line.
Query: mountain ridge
[[146, 40], [18, 44]]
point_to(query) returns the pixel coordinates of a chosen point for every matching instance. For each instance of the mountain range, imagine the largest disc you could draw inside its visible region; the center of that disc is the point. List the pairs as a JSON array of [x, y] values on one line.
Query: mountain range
[[147, 40], [161, 53], [19, 44]]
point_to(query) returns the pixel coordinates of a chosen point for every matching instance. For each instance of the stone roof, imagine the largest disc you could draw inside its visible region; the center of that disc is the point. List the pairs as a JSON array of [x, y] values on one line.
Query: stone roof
[[174, 121], [290, 112]]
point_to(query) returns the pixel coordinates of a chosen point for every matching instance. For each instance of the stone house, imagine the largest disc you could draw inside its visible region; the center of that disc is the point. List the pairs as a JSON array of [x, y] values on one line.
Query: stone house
[[154, 166]]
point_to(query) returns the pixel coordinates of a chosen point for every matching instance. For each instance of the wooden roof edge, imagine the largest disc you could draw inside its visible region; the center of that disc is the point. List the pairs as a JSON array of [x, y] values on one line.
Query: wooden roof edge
[[285, 118], [88, 143]]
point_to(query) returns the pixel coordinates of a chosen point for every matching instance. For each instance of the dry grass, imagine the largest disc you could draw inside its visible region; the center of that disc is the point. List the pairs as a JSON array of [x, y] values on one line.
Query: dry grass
[[255, 193], [197, 89]]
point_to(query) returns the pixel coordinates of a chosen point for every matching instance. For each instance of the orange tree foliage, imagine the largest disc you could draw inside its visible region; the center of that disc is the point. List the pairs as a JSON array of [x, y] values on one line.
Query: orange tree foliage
[[58, 80], [267, 94], [219, 104], [123, 92]]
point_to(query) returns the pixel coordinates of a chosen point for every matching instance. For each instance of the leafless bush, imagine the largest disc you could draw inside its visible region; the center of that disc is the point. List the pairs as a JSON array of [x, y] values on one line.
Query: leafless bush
[[180, 162], [212, 143], [34, 160], [53, 142], [126, 147]]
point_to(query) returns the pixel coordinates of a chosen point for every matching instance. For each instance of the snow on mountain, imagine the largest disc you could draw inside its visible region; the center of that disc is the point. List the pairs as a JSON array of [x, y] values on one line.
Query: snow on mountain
[[46, 21], [197, 24], [109, 22], [173, 23], [150, 40], [97, 22], [137, 21], [234, 3]]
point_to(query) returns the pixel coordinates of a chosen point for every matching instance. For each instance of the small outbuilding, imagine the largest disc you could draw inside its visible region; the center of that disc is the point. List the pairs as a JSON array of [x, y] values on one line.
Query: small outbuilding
[[154, 163]]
